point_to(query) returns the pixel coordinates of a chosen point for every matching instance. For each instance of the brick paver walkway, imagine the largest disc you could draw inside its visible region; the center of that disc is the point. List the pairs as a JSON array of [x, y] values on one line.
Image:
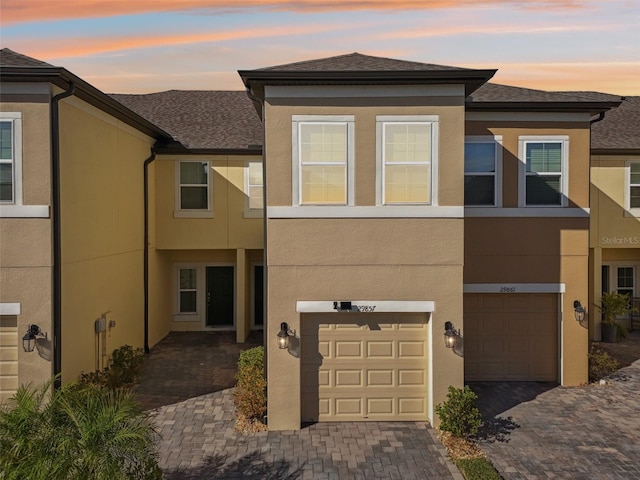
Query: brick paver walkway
[[199, 442], [589, 432]]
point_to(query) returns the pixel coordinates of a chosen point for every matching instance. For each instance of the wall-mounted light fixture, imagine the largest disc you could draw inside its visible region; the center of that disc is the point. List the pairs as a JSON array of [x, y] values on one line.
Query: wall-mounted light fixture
[[283, 335], [450, 335], [578, 311], [29, 339]]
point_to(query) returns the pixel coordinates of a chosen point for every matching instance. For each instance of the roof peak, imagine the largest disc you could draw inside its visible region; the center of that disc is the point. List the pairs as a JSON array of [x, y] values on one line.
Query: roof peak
[[9, 57]]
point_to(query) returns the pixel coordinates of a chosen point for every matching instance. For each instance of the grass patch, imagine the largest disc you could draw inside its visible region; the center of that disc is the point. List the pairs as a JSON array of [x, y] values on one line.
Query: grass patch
[[477, 469]]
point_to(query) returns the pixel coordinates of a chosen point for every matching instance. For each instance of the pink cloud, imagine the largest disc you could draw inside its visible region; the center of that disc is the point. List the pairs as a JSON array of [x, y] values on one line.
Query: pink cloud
[[21, 11]]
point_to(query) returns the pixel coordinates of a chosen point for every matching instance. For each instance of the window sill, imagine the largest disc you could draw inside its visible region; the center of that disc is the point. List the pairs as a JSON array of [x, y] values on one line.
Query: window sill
[[24, 211], [253, 214], [632, 213], [193, 214], [380, 211], [186, 317]]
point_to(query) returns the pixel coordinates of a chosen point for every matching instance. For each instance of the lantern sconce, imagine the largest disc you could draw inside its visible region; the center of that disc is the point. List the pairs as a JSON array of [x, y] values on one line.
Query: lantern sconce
[[450, 335], [284, 334], [29, 339], [578, 311]]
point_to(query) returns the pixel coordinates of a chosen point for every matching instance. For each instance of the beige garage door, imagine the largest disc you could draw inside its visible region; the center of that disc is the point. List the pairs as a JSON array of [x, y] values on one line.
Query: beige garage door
[[8, 356], [511, 337], [364, 367]]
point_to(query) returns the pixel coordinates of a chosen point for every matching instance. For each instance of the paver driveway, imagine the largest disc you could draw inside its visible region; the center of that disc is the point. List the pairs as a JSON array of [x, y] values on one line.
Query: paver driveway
[[198, 442], [589, 432]]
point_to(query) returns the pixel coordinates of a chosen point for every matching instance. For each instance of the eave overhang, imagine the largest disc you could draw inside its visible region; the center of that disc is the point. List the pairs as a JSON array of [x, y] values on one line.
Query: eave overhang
[[615, 151], [592, 108], [61, 78]]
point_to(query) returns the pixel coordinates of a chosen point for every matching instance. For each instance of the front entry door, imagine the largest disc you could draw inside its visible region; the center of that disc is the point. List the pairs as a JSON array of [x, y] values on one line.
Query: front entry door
[[220, 299]]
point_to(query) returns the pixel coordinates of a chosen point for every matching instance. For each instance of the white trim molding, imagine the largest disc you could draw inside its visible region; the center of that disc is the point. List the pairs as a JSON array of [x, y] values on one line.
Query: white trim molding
[[629, 211], [523, 140], [514, 288], [10, 308], [24, 211], [385, 306], [527, 212], [380, 211], [180, 212]]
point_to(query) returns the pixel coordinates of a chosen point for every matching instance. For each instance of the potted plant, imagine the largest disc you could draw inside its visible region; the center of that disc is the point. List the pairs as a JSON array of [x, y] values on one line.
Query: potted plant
[[611, 306]]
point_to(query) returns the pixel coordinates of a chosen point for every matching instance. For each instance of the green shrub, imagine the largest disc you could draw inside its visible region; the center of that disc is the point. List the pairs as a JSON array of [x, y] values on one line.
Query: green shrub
[[477, 469], [76, 432], [601, 364], [459, 414], [123, 369], [250, 396]]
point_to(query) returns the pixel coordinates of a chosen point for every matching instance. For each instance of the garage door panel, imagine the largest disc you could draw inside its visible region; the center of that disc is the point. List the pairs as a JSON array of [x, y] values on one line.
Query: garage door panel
[[378, 372], [383, 349], [511, 337]]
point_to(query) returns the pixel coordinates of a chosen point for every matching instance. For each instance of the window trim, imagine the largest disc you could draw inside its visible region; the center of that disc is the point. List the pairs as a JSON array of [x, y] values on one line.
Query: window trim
[[179, 212], [523, 140], [296, 122], [381, 121], [180, 290], [187, 316], [635, 211], [497, 190], [248, 211]]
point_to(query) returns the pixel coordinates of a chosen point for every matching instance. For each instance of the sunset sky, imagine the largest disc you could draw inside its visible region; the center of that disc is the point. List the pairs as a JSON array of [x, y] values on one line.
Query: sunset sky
[[138, 46]]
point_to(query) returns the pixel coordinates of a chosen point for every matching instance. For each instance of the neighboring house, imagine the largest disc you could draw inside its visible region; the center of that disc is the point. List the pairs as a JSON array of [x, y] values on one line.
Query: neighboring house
[[615, 205], [400, 198]]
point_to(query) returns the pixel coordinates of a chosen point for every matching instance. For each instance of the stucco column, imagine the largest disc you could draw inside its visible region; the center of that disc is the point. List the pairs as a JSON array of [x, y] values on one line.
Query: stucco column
[[595, 326], [242, 320]]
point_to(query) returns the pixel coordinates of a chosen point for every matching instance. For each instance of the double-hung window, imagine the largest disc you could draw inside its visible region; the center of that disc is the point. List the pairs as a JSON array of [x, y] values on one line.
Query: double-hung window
[[193, 193], [625, 281], [10, 158], [407, 150], [187, 291], [633, 187], [323, 160], [544, 175], [482, 167], [253, 183]]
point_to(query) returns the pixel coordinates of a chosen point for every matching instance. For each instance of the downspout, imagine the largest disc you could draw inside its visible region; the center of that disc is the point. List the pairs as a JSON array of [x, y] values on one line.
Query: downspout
[[151, 158], [57, 239], [265, 324], [596, 120]]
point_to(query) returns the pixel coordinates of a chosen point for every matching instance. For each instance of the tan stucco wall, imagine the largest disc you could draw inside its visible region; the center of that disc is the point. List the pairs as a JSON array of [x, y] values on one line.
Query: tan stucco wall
[[578, 154], [228, 228], [450, 157], [614, 232], [102, 230], [356, 258], [25, 248]]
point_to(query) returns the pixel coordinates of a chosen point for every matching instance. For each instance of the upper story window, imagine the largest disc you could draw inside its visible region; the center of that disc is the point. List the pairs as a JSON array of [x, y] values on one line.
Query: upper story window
[[544, 170], [193, 189], [11, 158], [407, 154], [323, 160], [482, 171], [253, 182], [633, 187]]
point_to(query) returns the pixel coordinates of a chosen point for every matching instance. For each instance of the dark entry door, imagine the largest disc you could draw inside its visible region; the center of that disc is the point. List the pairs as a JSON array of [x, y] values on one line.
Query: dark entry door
[[258, 295], [220, 300]]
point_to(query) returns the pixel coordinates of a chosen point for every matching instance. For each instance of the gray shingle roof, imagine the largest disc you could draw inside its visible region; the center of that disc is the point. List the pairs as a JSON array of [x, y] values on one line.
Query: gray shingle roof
[[14, 59], [357, 62], [495, 92], [200, 119], [620, 128]]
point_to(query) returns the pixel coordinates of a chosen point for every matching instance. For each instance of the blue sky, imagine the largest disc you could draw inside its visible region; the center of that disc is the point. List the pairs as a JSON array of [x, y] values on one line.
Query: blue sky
[[131, 46]]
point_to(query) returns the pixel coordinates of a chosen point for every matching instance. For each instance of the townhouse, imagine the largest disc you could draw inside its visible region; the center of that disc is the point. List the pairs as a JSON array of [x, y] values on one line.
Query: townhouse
[[366, 212]]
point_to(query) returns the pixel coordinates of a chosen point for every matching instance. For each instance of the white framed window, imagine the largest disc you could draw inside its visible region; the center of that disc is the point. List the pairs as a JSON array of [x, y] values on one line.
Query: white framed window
[[632, 187], [407, 160], [187, 291], [323, 154], [11, 158], [483, 171], [625, 281], [193, 189], [254, 190], [544, 176]]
